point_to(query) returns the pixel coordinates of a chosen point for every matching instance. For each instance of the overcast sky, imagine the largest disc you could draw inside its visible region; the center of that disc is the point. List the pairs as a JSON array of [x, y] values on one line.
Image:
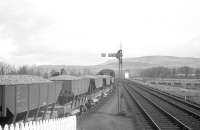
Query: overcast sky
[[77, 31]]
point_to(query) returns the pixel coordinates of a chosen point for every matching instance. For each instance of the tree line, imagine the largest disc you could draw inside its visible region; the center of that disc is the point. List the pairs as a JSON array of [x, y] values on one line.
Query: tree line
[[165, 72], [6, 69]]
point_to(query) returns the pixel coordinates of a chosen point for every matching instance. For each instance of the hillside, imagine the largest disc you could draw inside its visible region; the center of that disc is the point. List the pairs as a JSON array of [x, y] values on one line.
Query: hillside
[[134, 64], [153, 61], [168, 61]]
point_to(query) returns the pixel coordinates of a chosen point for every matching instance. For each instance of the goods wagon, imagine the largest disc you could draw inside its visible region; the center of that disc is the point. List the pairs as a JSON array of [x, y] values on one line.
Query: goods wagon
[[25, 97], [96, 82], [106, 79], [72, 87], [112, 79], [107, 72]]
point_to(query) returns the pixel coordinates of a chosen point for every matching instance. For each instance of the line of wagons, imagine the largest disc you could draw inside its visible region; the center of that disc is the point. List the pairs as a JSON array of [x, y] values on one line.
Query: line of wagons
[[26, 98]]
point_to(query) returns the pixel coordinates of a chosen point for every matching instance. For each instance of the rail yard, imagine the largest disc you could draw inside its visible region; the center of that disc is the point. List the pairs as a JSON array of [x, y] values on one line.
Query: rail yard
[[150, 108]]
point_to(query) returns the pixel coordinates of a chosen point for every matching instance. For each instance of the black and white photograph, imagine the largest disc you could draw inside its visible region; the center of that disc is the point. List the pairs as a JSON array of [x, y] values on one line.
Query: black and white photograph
[[99, 65]]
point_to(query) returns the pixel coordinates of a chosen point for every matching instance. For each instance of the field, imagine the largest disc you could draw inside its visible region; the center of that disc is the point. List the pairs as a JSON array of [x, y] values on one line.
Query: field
[[188, 94]]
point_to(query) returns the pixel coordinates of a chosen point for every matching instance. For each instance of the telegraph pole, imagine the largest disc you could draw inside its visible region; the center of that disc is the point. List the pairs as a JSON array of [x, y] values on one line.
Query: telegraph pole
[[117, 55]]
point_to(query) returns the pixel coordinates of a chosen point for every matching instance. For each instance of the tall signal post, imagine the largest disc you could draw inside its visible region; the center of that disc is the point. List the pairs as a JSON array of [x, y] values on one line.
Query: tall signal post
[[117, 55]]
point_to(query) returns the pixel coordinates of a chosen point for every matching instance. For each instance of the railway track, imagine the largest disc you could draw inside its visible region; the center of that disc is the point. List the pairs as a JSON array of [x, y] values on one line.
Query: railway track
[[142, 116], [192, 106], [186, 113], [158, 118]]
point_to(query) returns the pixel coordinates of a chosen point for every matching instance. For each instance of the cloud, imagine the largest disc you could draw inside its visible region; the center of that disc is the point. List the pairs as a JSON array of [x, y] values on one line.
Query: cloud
[[20, 23], [76, 32], [28, 35], [20, 26]]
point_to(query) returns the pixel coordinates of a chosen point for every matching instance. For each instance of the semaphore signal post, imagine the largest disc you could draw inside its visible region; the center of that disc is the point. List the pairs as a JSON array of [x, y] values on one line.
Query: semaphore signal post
[[117, 55]]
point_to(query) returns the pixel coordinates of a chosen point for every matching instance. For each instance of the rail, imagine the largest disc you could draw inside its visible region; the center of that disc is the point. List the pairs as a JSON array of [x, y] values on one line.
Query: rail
[[184, 112], [164, 115]]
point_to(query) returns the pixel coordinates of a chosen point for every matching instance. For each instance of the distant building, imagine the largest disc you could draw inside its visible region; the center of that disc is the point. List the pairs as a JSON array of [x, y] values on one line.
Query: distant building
[[126, 75]]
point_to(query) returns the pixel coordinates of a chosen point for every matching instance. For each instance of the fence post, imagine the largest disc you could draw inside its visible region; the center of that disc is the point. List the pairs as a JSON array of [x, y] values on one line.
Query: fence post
[[6, 127], [21, 126], [12, 127], [16, 126], [46, 125], [30, 125], [55, 122], [37, 125], [62, 122], [61, 125], [33, 128], [50, 125], [26, 127], [41, 126], [34, 125], [58, 124]]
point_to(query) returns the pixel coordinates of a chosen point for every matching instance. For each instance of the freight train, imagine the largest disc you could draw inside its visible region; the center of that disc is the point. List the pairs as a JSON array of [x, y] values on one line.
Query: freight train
[[28, 98]]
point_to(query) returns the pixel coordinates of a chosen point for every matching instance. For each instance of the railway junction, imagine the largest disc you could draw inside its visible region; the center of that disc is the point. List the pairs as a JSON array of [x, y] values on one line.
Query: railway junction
[[95, 102]]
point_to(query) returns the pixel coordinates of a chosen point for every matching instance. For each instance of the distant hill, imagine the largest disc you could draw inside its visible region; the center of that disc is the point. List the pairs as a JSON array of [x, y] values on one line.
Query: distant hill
[[133, 64], [126, 65], [153, 61], [169, 61]]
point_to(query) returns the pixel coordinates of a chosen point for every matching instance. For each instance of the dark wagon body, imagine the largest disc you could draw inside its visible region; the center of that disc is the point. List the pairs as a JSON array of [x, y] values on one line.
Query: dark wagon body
[[72, 87], [25, 97], [108, 72], [96, 83], [106, 79]]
